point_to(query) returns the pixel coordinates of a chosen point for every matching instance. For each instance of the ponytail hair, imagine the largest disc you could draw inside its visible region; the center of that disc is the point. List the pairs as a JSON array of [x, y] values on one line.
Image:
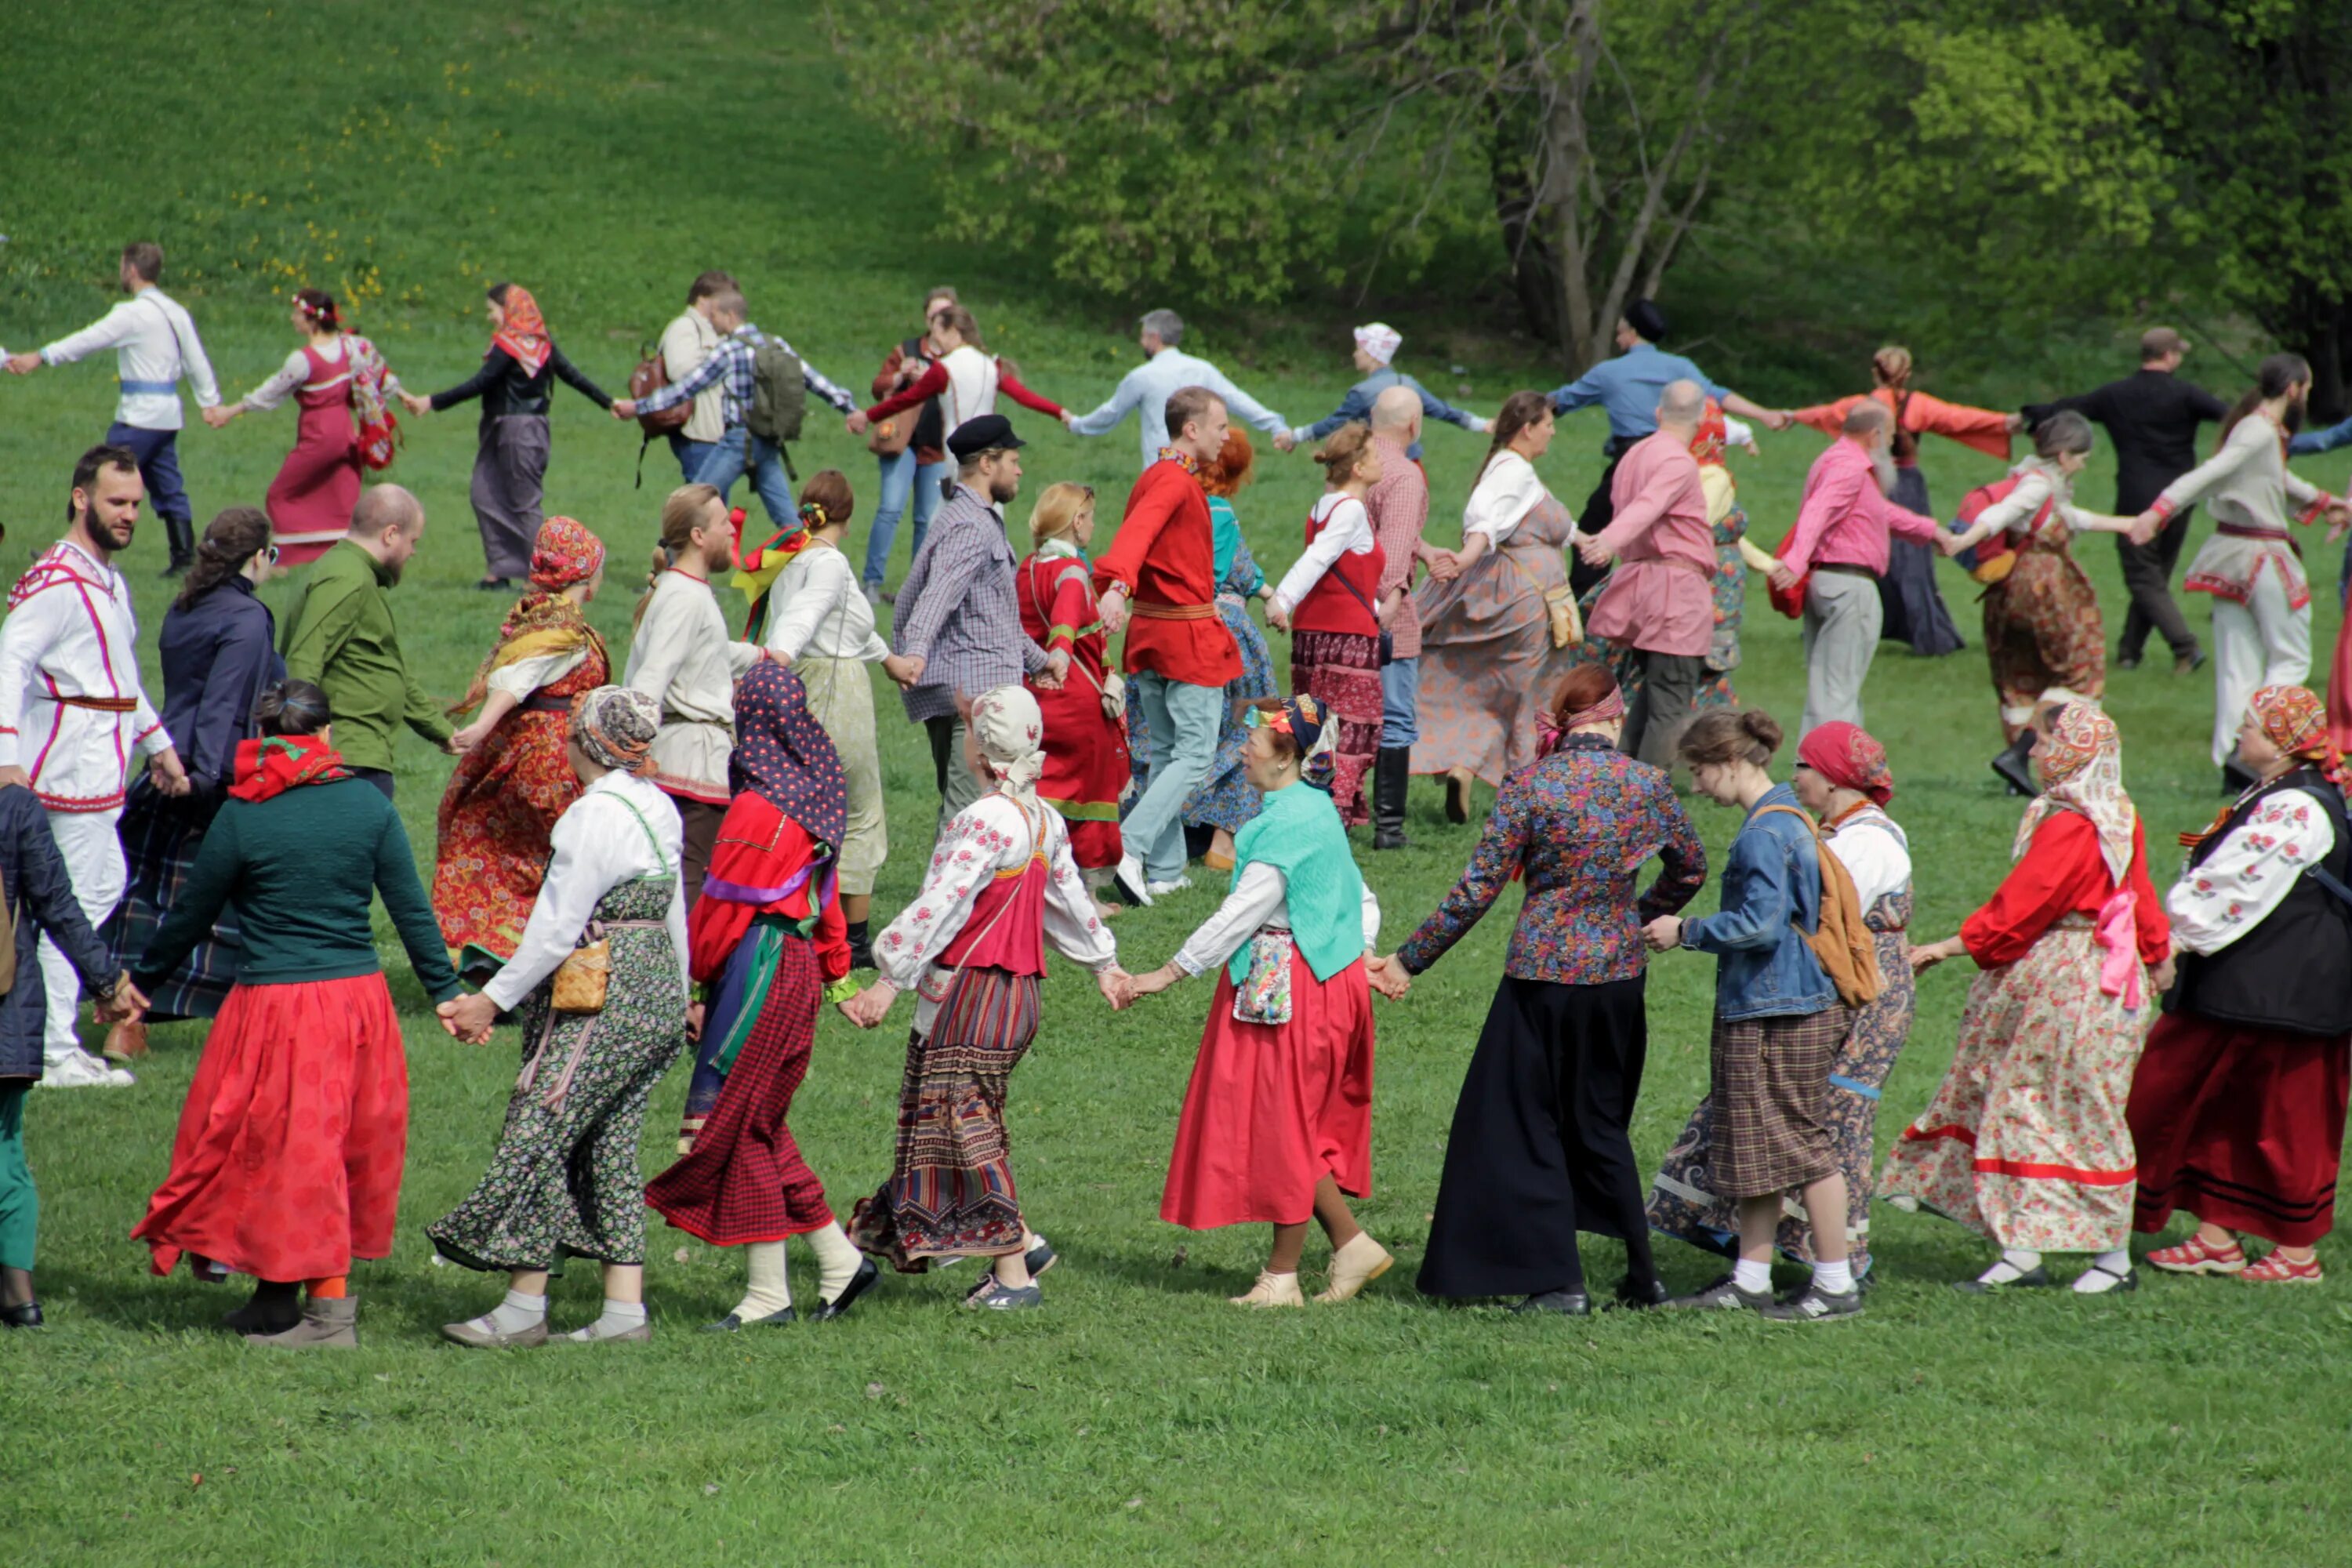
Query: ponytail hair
[[687, 508], [291, 707], [234, 537], [1519, 410], [1718, 738]]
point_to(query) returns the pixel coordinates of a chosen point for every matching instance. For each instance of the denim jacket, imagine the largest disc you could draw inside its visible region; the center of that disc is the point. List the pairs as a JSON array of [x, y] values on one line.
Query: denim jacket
[[1771, 897]]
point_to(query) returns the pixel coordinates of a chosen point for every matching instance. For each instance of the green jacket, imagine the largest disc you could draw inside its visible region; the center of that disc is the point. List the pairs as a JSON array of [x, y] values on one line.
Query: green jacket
[[342, 638]]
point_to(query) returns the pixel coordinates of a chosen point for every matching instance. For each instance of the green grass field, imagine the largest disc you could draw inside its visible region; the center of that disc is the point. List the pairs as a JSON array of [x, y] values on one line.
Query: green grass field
[[602, 155]]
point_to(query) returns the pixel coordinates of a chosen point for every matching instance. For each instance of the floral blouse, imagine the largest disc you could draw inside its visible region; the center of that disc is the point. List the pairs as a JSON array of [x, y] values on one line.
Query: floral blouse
[[1578, 825]]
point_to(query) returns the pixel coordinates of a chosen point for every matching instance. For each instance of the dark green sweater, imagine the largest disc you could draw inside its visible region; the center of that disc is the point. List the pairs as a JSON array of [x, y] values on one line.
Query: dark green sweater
[[302, 867]]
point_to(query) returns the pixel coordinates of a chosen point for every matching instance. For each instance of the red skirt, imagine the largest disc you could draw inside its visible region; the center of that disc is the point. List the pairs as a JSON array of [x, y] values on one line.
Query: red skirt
[[2242, 1128], [287, 1164], [1274, 1108], [1086, 767]]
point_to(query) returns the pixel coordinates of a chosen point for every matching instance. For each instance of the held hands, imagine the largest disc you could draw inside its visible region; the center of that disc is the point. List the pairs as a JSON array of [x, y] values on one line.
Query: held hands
[[1663, 934], [167, 775], [467, 738], [1388, 976], [2145, 527], [1284, 441], [1114, 609], [1595, 554], [624, 408], [1924, 959], [1151, 985], [25, 363], [2162, 977], [694, 1021], [470, 1017], [1117, 987], [869, 1006], [857, 423], [1781, 577], [1278, 615], [220, 414], [902, 669], [1952, 543], [1056, 670], [1779, 419], [1444, 566], [126, 1005], [420, 407], [2340, 520]]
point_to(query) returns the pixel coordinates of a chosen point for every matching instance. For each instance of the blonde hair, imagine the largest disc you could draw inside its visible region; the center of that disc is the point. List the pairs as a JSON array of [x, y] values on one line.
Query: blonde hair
[[1891, 364], [1343, 454], [1056, 512], [681, 514]]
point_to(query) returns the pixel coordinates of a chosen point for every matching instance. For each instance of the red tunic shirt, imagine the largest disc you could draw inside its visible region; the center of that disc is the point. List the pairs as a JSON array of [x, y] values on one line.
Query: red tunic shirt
[[1165, 557], [764, 863], [2062, 873], [1329, 606]]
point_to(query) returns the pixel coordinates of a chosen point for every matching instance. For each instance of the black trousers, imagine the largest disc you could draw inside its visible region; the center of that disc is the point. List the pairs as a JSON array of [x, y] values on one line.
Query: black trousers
[[1657, 714], [1598, 511], [1539, 1149], [2147, 573]]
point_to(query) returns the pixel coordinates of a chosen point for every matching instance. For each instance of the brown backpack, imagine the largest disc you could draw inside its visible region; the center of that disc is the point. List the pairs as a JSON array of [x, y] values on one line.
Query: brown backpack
[[1847, 947], [650, 376]]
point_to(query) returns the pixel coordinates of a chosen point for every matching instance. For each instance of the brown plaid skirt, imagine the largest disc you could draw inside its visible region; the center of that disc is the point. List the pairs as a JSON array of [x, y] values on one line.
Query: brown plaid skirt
[[1771, 1096]]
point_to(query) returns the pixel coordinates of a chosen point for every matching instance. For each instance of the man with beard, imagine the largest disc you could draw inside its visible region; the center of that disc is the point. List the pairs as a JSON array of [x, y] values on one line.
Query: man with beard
[[343, 640], [957, 618], [71, 717], [1840, 546], [155, 343], [2262, 600]]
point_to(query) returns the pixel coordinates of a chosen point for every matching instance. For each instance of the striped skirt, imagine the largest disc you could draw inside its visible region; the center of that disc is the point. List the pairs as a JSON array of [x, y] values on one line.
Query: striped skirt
[[950, 1192]]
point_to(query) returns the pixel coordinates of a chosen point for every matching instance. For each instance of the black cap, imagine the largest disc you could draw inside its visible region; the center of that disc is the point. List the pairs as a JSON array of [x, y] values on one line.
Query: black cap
[[989, 433], [1644, 317]]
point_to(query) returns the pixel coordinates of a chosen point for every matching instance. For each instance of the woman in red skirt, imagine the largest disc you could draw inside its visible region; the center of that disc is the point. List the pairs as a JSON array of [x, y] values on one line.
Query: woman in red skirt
[[768, 937], [287, 1161], [2237, 1107], [1326, 599], [1278, 1121], [1085, 704]]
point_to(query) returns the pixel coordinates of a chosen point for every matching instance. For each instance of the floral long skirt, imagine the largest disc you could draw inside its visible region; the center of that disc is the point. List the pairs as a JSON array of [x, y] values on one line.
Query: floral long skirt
[[2026, 1141], [1342, 670]]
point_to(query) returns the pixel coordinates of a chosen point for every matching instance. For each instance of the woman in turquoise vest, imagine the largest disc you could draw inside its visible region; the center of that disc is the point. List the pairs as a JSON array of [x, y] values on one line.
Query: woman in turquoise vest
[[1277, 1123]]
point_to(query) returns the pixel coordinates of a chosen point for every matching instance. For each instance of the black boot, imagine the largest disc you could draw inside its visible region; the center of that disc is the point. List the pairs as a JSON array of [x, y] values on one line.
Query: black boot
[[2015, 765], [861, 949], [1391, 772]]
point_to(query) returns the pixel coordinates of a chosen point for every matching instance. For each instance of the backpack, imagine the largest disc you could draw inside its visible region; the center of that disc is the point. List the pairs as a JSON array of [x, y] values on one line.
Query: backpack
[[650, 376], [1847, 947], [779, 393], [1991, 561]]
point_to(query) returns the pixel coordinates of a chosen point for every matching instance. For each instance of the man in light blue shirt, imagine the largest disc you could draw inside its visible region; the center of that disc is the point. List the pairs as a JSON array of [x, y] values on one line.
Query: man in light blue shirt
[[1164, 371], [1376, 346]]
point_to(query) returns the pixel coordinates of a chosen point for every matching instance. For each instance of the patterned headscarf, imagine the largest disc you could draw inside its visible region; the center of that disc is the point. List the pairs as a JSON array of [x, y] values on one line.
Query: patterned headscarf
[[1011, 731], [1849, 758], [1379, 340], [783, 755], [2296, 722], [565, 552], [272, 764], [759, 565], [1308, 724], [1712, 436], [615, 726], [525, 333], [1550, 732], [2081, 763]]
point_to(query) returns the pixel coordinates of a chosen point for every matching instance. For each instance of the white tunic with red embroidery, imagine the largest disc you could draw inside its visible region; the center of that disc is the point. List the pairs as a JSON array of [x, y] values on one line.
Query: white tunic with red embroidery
[[71, 711]]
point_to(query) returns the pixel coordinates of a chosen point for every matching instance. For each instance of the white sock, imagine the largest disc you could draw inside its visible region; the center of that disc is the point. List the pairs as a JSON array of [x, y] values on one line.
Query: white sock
[[836, 1260], [767, 1292], [2104, 1272], [618, 1318], [513, 1315], [1834, 1279], [2014, 1263], [1752, 1275]]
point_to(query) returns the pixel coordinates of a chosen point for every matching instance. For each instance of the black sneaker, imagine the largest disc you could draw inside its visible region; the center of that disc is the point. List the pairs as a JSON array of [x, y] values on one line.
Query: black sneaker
[[1815, 1305], [1724, 1295], [992, 1297]]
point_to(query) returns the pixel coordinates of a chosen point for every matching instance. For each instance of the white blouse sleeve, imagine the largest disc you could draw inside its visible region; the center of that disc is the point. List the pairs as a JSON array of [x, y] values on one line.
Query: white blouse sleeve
[[1348, 531], [1509, 490], [1371, 919], [1072, 924], [802, 600], [2250, 873], [525, 675], [1257, 897], [2016, 511], [280, 387], [590, 857], [975, 846], [1875, 857]]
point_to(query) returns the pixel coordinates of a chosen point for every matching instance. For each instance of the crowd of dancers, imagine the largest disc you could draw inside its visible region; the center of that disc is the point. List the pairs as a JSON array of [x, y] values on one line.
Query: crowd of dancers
[[678, 858]]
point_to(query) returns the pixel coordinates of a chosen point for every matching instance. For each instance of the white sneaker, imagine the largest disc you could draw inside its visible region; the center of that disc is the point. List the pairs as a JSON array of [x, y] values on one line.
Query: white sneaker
[[79, 1070], [1131, 882], [1161, 890]]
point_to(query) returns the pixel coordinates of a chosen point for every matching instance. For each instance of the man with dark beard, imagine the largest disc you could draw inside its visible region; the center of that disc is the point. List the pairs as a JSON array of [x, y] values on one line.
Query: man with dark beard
[[1843, 527], [343, 640]]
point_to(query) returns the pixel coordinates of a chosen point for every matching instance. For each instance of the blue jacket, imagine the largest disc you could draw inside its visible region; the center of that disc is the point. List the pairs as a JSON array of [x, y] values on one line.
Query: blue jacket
[[1771, 897], [1356, 408], [217, 655], [2310, 443], [43, 901], [1627, 389]]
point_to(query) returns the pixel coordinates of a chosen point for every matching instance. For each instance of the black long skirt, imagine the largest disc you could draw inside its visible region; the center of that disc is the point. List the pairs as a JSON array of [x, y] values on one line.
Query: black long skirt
[[1539, 1149], [1912, 605]]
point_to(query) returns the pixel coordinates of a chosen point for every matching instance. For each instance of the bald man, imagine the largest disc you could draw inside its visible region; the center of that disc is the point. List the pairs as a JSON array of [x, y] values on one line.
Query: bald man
[[1399, 505], [342, 639]]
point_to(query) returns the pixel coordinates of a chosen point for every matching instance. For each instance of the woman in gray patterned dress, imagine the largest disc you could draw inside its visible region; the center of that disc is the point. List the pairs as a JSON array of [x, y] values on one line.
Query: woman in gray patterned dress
[[565, 1181]]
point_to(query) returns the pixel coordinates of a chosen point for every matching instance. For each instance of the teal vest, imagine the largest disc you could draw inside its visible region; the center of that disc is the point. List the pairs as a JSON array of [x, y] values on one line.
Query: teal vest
[[1299, 834]]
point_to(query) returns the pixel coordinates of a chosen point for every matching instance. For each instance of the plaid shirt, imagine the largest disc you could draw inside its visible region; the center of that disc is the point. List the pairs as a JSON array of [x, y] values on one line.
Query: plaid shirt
[[732, 360], [960, 611]]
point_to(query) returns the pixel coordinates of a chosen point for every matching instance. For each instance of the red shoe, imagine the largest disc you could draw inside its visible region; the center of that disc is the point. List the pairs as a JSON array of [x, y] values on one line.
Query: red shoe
[[2194, 1257], [2278, 1268]]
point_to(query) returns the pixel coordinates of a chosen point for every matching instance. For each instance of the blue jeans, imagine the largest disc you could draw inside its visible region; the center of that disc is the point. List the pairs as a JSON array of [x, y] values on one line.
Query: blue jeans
[[1183, 720], [690, 454], [1399, 702], [902, 476], [158, 452], [738, 450]]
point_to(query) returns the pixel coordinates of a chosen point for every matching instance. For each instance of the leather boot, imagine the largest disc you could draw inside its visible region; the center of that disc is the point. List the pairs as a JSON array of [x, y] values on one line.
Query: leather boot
[[1391, 772], [2015, 765], [332, 1324], [273, 1309]]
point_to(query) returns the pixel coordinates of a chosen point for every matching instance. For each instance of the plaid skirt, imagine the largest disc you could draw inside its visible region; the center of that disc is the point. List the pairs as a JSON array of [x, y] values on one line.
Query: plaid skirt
[[161, 836], [1771, 1094]]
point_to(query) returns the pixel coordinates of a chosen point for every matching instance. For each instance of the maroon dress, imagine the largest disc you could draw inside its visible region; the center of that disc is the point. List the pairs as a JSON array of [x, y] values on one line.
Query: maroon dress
[[311, 500]]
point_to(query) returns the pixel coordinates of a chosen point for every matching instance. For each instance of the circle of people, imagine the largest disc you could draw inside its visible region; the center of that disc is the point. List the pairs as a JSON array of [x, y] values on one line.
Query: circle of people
[[680, 861]]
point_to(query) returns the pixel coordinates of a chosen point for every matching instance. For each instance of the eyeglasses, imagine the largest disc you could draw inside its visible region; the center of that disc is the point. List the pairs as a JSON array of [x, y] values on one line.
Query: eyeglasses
[[271, 550]]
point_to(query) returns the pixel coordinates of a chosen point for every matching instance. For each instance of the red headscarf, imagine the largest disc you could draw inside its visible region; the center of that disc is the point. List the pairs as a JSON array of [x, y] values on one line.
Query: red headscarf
[[565, 552], [1845, 754], [272, 764], [525, 333]]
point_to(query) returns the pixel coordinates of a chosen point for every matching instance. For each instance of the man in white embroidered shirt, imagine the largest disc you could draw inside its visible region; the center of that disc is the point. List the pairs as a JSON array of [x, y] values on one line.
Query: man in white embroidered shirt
[[155, 343], [72, 720]]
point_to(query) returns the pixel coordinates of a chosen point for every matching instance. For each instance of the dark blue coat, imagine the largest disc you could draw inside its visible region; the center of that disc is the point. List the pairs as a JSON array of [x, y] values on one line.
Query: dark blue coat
[[217, 654], [42, 898]]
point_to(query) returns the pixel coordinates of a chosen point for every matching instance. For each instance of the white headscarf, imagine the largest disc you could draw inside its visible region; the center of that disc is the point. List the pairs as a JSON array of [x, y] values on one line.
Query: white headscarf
[[1379, 340], [1010, 732]]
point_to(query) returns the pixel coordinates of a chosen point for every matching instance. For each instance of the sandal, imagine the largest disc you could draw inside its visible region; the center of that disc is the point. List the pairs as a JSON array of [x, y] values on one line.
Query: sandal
[[2197, 1255], [2278, 1268]]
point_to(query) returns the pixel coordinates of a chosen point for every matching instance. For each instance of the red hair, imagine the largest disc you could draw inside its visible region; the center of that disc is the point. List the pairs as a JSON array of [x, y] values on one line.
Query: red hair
[[1230, 471]]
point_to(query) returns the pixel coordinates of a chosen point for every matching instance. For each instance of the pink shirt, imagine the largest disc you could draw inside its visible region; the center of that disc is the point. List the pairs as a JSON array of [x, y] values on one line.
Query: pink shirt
[[1661, 597], [1844, 520], [1399, 505]]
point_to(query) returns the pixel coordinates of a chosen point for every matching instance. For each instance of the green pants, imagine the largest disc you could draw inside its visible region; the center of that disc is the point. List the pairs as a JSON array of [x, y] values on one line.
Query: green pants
[[20, 1205]]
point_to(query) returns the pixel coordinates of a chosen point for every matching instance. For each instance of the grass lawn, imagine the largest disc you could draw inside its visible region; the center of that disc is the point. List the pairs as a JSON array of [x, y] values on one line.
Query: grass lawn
[[604, 155]]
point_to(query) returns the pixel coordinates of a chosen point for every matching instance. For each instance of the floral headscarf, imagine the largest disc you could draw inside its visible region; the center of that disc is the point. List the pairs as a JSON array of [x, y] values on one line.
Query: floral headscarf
[[783, 755], [1308, 724], [2296, 722], [1847, 757], [1379, 340], [1011, 731], [269, 765], [525, 333], [1713, 435], [565, 553], [543, 621], [615, 726], [1550, 732], [2081, 763]]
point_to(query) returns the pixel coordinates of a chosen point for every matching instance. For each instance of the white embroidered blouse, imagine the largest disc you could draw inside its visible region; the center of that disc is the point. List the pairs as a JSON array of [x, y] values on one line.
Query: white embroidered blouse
[[2250, 873]]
